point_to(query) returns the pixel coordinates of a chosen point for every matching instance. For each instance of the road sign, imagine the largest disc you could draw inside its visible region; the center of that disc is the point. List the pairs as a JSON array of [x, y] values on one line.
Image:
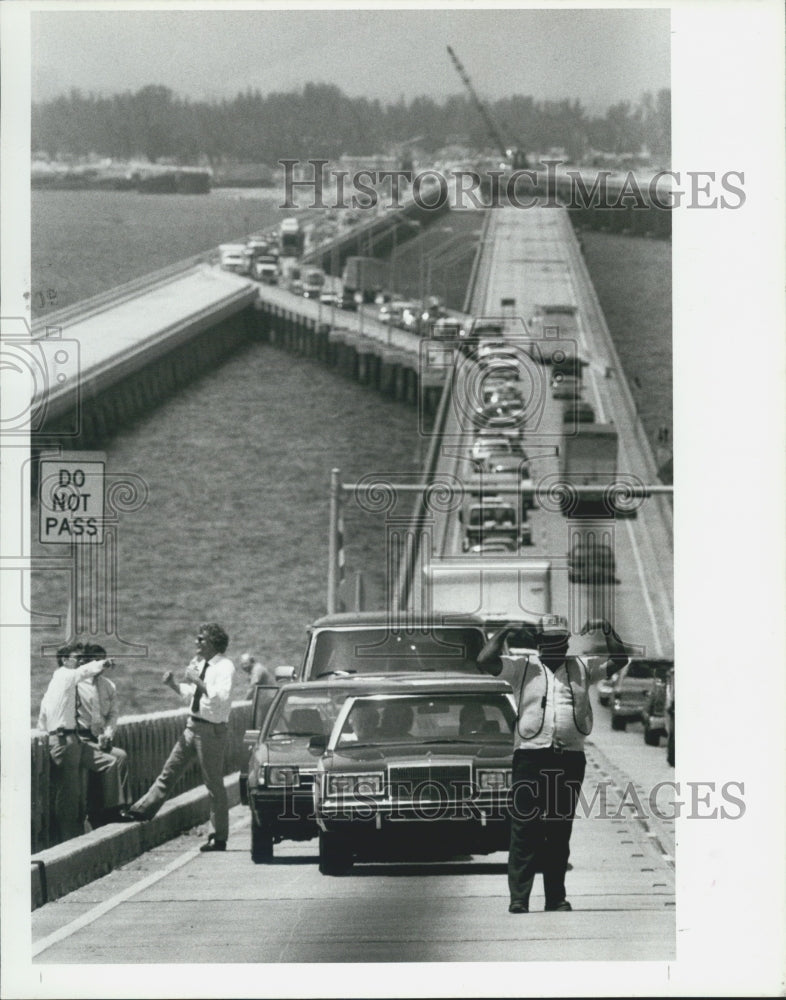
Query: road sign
[[71, 498]]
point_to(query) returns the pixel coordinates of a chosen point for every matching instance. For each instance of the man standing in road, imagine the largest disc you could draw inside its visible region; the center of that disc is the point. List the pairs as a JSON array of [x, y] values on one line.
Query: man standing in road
[[554, 717], [207, 687], [57, 718], [96, 721]]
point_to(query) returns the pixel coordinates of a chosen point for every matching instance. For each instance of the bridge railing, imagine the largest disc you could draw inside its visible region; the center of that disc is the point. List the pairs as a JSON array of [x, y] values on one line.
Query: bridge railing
[[148, 740]]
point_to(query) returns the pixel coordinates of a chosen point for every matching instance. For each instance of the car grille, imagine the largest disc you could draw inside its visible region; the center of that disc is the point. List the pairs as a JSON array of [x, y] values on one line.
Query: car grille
[[441, 781]]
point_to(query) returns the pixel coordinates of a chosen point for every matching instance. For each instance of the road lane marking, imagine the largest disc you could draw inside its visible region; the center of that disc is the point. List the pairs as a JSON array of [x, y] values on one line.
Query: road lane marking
[[114, 901]]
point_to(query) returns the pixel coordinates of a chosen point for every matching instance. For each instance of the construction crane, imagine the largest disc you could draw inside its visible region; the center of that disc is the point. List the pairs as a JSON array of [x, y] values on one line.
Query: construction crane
[[516, 157]]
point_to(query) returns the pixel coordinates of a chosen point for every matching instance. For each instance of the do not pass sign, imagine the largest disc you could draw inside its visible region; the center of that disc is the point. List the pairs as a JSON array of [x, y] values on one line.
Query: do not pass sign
[[71, 496]]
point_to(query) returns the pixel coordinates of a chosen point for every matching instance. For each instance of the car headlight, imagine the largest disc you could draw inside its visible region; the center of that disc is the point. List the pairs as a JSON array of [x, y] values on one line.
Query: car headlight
[[494, 779], [356, 784], [287, 776]]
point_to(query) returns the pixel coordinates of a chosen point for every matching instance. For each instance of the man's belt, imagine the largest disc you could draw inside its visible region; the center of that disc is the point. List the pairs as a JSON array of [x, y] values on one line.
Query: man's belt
[[62, 732], [85, 732]]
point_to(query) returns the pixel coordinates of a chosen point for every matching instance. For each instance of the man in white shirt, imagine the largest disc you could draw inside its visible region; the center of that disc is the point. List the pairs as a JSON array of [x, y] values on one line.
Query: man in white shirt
[[57, 717], [554, 717], [96, 722], [207, 687]]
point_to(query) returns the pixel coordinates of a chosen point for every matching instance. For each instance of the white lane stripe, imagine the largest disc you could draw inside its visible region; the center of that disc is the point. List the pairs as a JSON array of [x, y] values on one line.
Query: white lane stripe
[[114, 901], [645, 589]]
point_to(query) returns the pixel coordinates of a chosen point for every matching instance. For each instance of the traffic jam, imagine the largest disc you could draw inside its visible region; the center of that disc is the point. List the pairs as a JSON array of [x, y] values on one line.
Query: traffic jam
[[392, 745]]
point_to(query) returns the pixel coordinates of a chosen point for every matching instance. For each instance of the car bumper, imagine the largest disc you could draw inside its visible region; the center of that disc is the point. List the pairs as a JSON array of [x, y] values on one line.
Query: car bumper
[[289, 813]]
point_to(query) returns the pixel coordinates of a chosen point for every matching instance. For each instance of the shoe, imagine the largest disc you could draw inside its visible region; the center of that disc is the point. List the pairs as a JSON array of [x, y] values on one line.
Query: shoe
[[213, 845], [562, 907], [130, 816], [518, 906]]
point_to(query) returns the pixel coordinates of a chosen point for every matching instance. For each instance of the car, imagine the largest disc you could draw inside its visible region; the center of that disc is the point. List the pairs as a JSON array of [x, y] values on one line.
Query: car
[[281, 765], [446, 328], [670, 738], [579, 411], [373, 642], [653, 712], [606, 689], [499, 415], [436, 782], [490, 518], [565, 386], [631, 689], [493, 547], [234, 257], [484, 447], [391, 312], [590, 561], [330, 299]]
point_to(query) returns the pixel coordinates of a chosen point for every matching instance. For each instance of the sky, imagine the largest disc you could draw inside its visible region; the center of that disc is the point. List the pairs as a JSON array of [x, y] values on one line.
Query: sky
[[598, 56]]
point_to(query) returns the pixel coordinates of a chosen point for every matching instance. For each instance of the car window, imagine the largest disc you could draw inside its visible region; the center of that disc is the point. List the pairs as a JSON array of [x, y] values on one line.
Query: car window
[[639, 670], [428, 718], [305, 713], [380, 650]]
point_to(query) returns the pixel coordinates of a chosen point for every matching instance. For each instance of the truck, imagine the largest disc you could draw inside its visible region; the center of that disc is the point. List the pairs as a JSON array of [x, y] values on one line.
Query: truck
[[313, 282], [266, 268], [291, 238], [588, 457], [496, 590], [362, 276]]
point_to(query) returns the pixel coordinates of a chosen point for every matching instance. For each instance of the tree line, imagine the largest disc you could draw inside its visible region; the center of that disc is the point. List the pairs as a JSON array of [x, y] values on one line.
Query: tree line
[[319, 120]]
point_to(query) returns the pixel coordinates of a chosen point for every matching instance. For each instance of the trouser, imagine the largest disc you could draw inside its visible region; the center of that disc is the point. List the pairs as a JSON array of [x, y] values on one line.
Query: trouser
[[65, 754], [207, 740], [546, 785], [111, 790]]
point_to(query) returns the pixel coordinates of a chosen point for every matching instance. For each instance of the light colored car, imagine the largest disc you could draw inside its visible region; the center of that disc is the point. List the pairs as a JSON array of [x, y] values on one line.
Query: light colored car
[[630, 692]]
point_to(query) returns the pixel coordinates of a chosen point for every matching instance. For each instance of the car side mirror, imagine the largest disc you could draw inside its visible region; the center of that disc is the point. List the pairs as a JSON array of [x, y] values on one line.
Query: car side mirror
[[317, 744], [284, 674]]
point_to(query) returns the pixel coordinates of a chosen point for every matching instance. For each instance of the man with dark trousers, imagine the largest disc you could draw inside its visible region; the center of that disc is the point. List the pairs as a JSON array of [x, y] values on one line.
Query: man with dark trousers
[[207, 687], [554, 717]]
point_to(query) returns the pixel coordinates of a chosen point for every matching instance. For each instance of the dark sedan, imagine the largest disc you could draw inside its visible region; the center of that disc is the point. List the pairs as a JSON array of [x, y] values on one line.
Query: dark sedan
[[420, 774]]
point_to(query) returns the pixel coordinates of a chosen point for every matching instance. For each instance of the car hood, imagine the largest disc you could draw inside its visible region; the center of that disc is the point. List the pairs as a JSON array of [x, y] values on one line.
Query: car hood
[[406, 753]]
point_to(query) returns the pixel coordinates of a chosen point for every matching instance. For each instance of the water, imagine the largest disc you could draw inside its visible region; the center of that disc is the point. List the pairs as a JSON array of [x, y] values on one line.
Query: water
[[235, 529], [238, 463]]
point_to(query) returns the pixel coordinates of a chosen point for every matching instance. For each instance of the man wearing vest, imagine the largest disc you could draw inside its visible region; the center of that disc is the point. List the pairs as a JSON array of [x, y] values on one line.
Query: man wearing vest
[[207, 688], [554, 717]]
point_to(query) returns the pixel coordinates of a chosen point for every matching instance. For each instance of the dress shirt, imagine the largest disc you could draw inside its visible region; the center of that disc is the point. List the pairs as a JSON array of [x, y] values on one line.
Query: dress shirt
[[559, 725], [216, 704], [58, 706], [97, 708]]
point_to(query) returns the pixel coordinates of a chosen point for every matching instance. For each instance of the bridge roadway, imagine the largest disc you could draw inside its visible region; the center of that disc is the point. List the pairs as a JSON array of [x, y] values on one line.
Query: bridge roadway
[[154, 909], [622, 882], [532, 257]]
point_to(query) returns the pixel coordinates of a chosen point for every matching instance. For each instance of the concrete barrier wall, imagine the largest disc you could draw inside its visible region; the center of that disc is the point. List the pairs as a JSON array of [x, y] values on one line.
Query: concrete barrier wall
[[147, 739]]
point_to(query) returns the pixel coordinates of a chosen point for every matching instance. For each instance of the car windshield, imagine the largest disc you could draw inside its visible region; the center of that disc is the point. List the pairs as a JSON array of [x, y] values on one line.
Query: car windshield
[[383, 650], [305, 713], [640, 670], [443, 718]]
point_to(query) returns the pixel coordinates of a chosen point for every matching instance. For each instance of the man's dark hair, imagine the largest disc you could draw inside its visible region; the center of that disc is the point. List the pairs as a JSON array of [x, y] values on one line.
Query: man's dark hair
[[216, 635], [68, 650], [92, 651]]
